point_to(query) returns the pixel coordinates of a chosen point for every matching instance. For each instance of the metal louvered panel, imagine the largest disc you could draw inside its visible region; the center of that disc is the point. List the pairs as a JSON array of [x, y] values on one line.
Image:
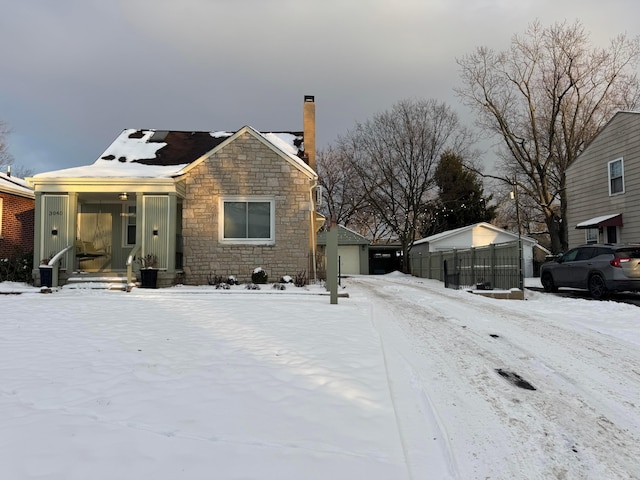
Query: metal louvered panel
[[155, 228], [55, 226]]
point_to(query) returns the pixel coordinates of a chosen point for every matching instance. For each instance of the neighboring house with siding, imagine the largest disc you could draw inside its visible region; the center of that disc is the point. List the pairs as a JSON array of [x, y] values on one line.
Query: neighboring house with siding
[[603, 185], [16, 216], [203, 203]]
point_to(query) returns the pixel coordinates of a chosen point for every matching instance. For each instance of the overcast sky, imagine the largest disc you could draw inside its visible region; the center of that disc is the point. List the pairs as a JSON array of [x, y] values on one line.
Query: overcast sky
[[75, 73]]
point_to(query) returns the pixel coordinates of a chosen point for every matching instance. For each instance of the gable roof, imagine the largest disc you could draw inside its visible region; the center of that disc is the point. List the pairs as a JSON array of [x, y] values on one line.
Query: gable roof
[[457, 231], [168, 153], [346, 236], [618, 116], [15, 186], [284, 144]]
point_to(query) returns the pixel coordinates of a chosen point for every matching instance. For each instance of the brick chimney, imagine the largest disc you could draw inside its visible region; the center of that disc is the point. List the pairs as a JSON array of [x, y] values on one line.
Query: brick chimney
[[309, 126]]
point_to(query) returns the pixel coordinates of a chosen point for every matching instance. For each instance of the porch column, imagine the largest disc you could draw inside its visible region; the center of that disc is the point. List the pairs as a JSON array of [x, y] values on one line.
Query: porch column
[[173, 216], [37, 231], [73, 231]]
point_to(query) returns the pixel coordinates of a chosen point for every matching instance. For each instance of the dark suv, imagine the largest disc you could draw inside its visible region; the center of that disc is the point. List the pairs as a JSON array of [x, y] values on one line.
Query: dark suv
[[599, 268]]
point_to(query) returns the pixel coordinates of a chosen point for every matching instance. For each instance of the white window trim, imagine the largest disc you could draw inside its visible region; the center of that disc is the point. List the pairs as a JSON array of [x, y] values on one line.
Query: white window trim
[[247, 241], [621, 160], [125, 223], [588, 240], [608, 240]]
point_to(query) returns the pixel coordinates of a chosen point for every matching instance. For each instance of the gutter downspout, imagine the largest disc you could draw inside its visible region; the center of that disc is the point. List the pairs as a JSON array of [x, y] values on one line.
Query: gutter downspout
[[312, 217]]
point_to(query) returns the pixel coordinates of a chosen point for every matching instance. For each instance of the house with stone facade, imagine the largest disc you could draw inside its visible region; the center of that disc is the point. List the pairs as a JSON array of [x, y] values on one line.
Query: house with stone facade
[[201, 203], [16, 216]]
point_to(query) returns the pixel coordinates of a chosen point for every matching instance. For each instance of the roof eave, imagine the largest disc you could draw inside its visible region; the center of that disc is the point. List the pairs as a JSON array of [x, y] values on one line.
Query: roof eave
[[133, 184]]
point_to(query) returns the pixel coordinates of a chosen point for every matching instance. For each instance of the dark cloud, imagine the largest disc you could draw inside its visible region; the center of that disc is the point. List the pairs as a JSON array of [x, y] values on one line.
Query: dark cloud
[[80, 71]]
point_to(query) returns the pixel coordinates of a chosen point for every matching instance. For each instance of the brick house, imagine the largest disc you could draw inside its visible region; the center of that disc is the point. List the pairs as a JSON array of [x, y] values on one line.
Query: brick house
[[202, 203], [16, 216]]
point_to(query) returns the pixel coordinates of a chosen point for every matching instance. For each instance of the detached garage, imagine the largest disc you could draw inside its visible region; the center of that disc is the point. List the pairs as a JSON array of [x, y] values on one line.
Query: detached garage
[[353, 251], [476, 235]]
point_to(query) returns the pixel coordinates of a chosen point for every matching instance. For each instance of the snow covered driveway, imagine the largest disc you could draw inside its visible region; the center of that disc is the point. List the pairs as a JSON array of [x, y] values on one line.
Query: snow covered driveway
[[583, 358]]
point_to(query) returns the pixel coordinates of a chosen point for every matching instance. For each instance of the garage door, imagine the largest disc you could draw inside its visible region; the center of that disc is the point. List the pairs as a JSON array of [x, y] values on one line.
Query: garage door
[[349, 259]]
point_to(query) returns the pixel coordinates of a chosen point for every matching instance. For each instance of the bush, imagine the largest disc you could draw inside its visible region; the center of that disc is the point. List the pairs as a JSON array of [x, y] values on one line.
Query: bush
[[301, 279], [259, 276], [17, 268]]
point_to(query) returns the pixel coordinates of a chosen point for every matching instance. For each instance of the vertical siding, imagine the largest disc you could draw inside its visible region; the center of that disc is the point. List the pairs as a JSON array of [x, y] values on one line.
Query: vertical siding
[[588, 180], [156, 218], [55, 216]]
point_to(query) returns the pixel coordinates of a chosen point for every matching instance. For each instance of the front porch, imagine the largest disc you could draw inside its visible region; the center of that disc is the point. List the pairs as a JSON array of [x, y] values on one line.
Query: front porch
[[104, 232]]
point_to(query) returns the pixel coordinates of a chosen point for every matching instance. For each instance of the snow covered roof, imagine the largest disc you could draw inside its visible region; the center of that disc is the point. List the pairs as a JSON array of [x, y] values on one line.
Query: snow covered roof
[[15, 186], [346, 236], [456, 231], [165, 153], [614, 219]]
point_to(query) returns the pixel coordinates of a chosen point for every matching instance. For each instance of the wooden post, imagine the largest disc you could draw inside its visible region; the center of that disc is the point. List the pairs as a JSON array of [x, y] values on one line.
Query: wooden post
[[332, 261]]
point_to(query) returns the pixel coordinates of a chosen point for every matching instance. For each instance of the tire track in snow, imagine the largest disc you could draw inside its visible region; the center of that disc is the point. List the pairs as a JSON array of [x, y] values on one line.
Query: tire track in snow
[[417, 421]]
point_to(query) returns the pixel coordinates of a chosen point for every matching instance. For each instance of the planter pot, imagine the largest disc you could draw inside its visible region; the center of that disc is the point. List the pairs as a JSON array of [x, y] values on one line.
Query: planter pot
[[149, 278], [46, 276]]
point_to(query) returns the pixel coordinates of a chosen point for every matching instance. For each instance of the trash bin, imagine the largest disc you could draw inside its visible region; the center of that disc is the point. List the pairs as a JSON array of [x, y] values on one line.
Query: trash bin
[[46, 275]]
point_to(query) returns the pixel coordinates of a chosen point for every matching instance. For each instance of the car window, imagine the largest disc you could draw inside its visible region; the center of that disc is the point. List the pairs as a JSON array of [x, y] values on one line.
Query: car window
[[586, 253], [570, 256], [605, 251], [628, 253]]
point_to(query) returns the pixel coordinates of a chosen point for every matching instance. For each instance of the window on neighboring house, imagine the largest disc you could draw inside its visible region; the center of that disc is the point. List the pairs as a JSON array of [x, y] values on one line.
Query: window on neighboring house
[[591, 235], [616, 177], [248, 220], [129, 230]]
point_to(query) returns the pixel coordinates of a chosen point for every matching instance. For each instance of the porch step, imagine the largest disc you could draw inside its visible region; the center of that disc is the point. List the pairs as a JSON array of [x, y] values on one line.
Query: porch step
[[97, 281]]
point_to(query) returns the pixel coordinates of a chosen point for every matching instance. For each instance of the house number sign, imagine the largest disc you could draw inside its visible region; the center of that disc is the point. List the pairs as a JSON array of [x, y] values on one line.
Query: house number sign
[[53, 213]]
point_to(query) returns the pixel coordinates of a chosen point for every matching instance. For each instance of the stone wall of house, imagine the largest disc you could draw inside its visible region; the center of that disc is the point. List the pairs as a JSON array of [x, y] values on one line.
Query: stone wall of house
[[245, 167], [16, 234]]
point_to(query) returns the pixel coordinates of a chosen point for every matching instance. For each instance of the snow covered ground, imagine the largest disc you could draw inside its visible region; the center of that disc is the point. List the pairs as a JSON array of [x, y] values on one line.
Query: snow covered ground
[[398, 381]]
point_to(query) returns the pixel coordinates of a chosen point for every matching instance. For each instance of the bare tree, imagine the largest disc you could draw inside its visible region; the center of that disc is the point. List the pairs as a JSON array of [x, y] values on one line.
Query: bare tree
[[343, 197], [5, 156], [340, 195], [394, 155], [546, 98]]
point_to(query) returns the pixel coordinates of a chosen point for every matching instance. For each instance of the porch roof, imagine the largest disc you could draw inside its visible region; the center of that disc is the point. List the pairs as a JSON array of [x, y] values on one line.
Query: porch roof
[[611, 220]]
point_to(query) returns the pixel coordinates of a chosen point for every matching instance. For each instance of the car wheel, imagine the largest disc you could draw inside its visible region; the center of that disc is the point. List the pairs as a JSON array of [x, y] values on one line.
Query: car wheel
[[547, 283], [597, 287]]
